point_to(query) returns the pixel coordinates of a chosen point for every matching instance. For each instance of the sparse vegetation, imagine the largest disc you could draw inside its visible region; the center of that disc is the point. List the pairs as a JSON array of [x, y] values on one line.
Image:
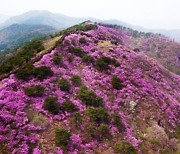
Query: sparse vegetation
[[57, 59], [99, 115], [51, 104], [82, 40], [76, 51], [64, 85], [77, 119], [68, 106], [34, 91], [116, 83], [79, 27], [76, 80], [26, 72], [87, 59], [62, 138], [118, 123], [103, 131], [30, 71], [89, 98], [124, 148], [103, 63], [91, 130], [42, 72]]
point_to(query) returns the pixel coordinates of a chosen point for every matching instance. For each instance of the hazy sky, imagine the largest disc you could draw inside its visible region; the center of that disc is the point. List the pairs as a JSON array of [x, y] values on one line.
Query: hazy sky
[[147, 13]]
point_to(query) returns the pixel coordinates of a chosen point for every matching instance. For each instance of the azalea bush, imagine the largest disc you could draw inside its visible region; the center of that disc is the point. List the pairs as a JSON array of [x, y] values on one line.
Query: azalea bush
[[51, 104], [62, 138], [34, 90], [89, 97], [64, 85]]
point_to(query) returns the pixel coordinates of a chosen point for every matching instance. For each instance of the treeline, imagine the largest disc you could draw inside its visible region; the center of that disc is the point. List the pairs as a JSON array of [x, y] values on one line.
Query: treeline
[[23, 55], [134, 33]]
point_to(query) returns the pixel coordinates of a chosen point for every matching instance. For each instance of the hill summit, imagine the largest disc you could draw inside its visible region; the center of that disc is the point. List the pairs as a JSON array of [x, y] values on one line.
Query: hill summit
[[90, 94]]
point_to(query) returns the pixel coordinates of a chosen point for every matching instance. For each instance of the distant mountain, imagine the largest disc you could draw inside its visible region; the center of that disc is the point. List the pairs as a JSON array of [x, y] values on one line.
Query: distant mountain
[[59, 21], [3, 18], [17, 34]]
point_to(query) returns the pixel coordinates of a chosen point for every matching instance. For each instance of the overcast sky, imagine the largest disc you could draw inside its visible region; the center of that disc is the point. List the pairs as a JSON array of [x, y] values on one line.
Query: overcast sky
[[147, 13]]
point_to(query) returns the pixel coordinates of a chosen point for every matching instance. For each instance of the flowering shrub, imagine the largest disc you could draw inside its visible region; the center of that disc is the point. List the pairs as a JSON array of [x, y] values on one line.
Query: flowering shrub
[[76, 80], [99, 115], [64, 85], [124, 148], [62, 138], [89, 98], [34, 91], [51, 105]]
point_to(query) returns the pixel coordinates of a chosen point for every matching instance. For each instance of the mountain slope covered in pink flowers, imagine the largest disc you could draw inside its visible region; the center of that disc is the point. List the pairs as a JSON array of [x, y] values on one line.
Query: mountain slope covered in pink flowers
[[90, 94]]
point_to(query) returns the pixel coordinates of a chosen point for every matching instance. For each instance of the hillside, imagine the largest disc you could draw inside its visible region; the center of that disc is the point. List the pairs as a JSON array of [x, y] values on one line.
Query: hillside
[[90, 93], [15, 35], [164, 50]]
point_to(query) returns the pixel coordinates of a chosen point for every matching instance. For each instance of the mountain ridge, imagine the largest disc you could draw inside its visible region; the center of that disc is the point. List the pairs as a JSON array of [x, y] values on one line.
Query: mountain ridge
[[90, 94]]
